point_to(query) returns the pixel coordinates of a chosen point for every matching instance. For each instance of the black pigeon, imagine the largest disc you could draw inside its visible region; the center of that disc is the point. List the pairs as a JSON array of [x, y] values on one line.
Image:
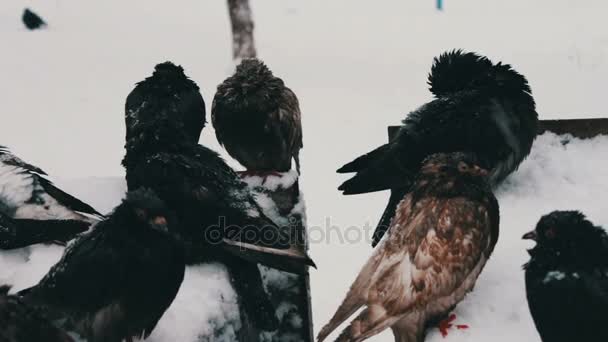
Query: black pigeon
[[116, 281], [167, 93], [22, 323], [25, 193], [567, 278], [216, 208], [443, 234], [31, 20], [479, 107], [257, 119], [18, 233]]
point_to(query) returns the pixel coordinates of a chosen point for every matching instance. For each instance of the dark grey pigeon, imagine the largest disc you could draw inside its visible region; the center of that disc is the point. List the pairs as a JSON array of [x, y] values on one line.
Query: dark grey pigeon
[[116, 281], [567, 278]]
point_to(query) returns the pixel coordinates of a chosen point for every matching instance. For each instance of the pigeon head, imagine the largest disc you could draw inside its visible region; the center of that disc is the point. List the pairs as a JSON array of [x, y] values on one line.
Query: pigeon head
[[169, 70], [456, 70], [253, 69], [253, 77], [567, 234], [456, 164], [167, 94], [147, 210]]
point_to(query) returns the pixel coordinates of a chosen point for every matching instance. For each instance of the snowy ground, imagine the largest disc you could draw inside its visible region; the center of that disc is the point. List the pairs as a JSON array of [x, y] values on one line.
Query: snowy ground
[[357, 66]]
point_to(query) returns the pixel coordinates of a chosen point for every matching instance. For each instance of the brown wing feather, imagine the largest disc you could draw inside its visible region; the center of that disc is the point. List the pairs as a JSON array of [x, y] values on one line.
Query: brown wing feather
[[357, 295], [290, 117], [433, 250]]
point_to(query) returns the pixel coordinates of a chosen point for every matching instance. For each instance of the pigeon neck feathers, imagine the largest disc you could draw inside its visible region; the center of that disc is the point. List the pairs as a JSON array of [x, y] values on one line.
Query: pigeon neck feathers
[[451, 175], [159, 135]]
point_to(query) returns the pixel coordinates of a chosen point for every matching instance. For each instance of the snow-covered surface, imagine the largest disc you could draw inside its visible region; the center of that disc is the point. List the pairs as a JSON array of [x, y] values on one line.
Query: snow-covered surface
[[286, 290], [356, 66], [272, 182]]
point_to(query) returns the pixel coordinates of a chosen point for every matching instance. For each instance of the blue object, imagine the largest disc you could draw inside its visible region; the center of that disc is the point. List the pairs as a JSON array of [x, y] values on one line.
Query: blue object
[[440, 5]]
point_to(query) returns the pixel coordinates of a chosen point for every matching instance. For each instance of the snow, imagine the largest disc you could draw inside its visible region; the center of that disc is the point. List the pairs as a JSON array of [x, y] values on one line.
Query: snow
[[357, 66], [205, 304], [272, 182]]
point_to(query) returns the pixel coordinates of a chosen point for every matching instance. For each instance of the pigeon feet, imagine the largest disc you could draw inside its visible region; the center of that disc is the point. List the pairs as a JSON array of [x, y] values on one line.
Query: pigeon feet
[[446, 324]]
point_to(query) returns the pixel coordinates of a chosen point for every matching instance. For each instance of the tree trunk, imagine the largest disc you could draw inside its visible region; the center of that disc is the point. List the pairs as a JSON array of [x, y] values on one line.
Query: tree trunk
[[243, 45]]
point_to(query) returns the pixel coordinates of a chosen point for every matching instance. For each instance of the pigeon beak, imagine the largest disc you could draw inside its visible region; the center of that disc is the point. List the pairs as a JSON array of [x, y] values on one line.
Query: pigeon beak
[[159, 223], [530, 235]]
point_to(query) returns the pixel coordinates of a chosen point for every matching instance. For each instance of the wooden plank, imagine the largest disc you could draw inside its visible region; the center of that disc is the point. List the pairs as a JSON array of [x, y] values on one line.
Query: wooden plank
[[579, 128]]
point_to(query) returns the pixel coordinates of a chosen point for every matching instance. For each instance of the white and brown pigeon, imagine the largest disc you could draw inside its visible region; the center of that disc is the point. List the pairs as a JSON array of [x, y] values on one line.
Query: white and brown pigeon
[[442, 235]]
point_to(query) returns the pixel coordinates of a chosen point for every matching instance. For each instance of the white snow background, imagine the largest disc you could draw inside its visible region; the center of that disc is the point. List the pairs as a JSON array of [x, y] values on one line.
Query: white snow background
[[357, 66]]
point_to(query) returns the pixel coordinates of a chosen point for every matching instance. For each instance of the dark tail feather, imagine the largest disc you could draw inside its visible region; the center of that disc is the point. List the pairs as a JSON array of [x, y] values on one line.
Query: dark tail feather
[[67, 199], [291, 260], [392, 166], [389, 213], [364, 161], [388, 174], [24, 232]]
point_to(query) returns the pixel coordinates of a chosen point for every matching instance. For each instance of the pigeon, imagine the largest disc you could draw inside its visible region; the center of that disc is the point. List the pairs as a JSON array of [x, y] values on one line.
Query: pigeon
[[567, 278], [257, 119], [215, 207], [219, 217], [443, 233], [18, 233], [22, 323], [479, 107], [31, 20], [167, 93], [116, 281], [26, 193]]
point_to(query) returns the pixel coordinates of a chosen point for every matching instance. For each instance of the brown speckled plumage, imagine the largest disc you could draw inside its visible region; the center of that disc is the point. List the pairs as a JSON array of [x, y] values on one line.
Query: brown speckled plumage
[[257, 119], [441, 236]]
